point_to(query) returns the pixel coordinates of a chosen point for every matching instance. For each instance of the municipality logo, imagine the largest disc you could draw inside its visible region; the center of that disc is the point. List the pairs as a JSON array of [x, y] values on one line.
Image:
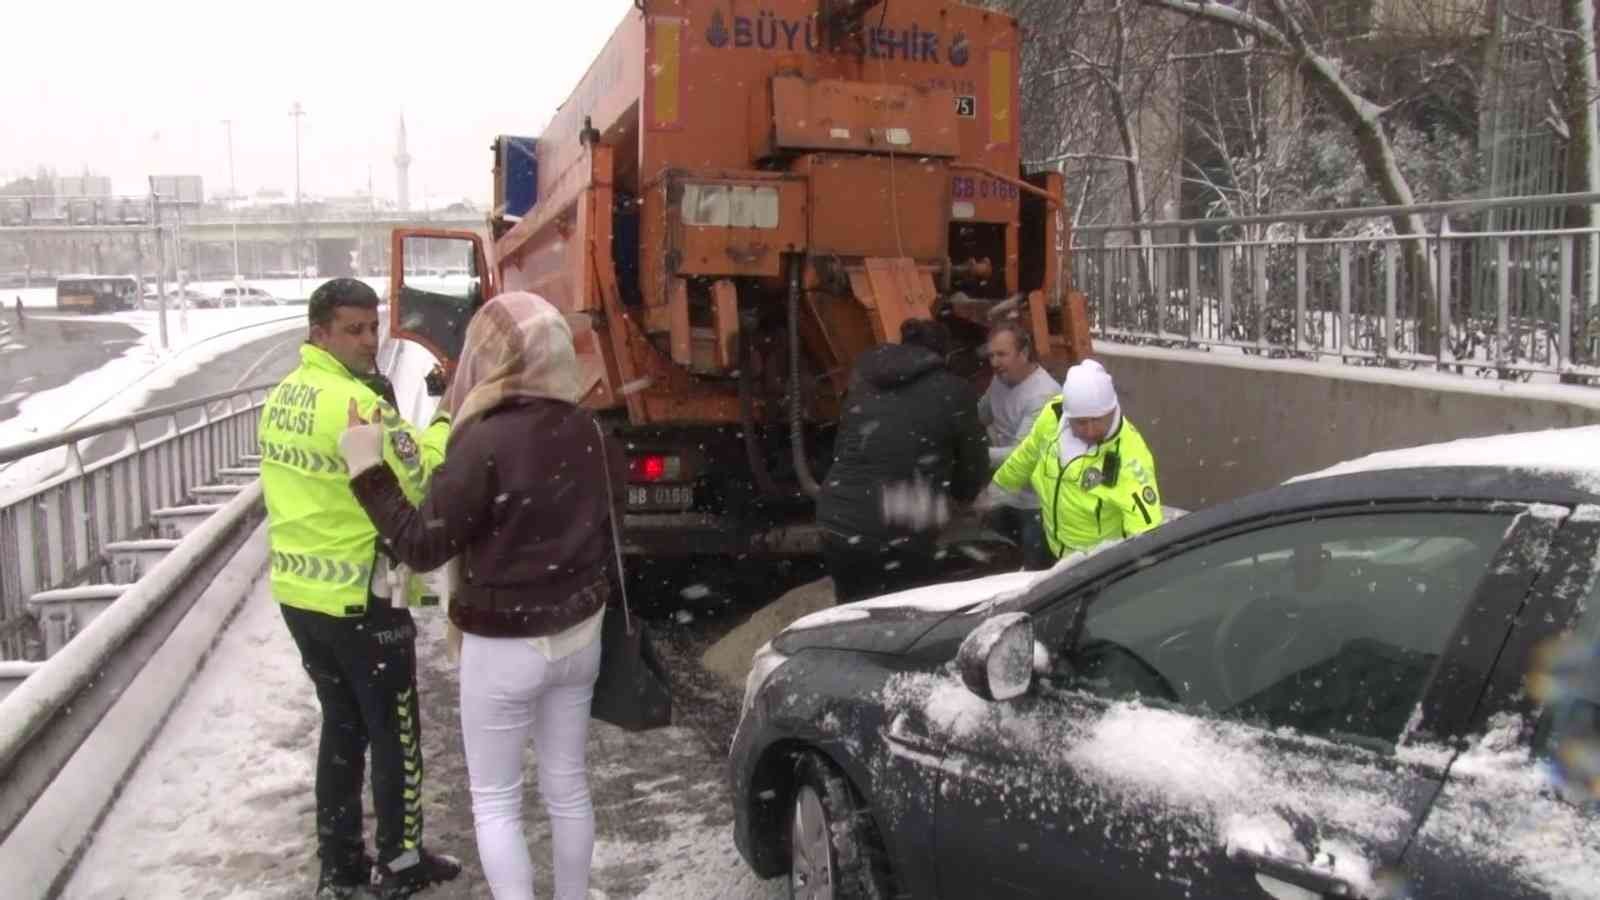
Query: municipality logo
[[717, 33], [960, 53]]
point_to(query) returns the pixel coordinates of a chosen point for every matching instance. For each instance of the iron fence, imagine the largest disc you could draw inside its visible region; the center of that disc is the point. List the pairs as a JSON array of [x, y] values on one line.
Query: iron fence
[[1464, 293], [53, 533]]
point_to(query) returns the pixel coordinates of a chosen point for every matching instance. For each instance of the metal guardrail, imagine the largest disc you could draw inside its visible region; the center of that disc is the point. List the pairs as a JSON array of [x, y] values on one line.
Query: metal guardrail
[[1467, 295], [53, 534], [72, 731]]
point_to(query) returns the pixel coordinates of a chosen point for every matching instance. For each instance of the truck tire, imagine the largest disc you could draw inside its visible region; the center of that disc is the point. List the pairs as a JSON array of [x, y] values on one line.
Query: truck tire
[[835, 852]]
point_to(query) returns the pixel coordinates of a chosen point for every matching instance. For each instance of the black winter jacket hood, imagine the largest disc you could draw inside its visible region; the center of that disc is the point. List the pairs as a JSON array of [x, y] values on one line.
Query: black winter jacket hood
[[889, 366]]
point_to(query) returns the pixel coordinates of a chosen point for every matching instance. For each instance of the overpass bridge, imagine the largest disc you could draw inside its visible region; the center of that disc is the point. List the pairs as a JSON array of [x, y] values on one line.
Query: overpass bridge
[[1246, 359], [202, 241], [209, 226]]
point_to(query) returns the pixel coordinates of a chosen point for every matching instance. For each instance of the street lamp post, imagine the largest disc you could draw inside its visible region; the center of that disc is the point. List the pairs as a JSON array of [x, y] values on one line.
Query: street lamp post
[[161, 260], [297, 113], [233, 199]]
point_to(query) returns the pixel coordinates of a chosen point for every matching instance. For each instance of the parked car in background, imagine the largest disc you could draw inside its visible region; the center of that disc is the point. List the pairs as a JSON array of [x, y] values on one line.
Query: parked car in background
[[1377, 681], [247, 295], [196, 299]]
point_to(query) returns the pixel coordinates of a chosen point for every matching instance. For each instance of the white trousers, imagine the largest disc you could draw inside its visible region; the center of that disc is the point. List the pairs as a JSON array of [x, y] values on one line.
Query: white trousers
[[509, 690]]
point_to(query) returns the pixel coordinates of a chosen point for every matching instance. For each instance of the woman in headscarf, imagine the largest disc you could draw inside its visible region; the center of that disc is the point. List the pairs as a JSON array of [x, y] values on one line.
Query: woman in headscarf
[[521, 504]]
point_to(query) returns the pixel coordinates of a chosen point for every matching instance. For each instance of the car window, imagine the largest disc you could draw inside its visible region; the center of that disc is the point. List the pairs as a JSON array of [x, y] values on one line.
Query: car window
[[1328, 626]]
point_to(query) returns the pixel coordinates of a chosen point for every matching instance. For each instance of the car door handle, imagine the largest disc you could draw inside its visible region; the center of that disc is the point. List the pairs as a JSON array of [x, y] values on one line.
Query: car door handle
[[910, 731], [1299, 874]]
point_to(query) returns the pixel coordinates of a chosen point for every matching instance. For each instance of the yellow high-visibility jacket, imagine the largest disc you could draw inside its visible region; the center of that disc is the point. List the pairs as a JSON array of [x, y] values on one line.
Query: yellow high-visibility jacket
[[324, 549], [1079, 507]]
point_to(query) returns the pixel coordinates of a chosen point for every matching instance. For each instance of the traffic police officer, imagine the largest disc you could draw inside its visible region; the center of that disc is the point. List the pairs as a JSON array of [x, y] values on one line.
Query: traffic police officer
[[1093, 472], [345, 608]]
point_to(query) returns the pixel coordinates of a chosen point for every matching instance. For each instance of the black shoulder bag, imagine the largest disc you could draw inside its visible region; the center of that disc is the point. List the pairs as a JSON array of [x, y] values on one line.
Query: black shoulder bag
[[633, 691]]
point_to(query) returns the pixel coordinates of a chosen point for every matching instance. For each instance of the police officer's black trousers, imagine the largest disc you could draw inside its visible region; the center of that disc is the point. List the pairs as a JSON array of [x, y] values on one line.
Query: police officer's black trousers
[[365, 672]]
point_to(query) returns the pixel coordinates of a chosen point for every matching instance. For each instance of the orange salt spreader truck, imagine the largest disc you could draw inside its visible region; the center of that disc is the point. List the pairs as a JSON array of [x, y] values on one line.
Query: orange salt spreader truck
[[738, 199]]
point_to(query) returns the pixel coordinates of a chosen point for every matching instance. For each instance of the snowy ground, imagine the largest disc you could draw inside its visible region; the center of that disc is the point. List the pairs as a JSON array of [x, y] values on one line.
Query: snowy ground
[[222, 806], [123, 386]]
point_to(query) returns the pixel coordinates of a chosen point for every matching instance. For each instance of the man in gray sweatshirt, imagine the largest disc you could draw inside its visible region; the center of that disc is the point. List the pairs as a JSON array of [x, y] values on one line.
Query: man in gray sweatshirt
[[1019, 390]]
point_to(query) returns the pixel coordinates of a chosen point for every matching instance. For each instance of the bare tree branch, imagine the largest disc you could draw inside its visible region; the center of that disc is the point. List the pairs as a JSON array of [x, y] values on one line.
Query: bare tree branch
[[1074, 157]]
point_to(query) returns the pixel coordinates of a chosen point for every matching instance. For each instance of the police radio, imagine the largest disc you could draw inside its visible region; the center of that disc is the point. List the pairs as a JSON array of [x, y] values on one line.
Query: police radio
[[1111, 468]]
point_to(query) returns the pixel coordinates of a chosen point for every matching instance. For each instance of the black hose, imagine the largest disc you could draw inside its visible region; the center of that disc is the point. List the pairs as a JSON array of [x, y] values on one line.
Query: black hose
[[797, 437], [747, 419]]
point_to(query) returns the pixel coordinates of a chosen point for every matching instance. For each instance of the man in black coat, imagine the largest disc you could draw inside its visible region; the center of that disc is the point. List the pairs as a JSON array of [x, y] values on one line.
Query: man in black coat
[[909, 446]]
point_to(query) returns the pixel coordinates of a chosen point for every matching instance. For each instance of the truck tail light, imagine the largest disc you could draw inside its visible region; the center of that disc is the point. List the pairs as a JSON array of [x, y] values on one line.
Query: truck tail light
[[653, 467]]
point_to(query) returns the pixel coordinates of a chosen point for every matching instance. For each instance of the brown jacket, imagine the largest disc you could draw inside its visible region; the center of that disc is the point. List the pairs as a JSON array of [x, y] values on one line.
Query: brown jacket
[[520, 499]]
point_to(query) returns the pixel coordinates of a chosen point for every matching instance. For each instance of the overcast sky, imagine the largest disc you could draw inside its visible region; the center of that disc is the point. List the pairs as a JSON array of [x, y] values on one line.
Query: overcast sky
[[133, 89]]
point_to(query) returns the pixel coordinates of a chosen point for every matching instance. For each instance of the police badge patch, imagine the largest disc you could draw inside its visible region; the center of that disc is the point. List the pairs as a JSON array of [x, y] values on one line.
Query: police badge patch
[[1092, 479], [1149, 495], [405, 447]]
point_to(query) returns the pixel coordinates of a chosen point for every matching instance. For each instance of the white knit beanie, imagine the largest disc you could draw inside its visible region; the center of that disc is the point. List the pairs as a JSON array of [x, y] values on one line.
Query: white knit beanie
[[1088, 391]]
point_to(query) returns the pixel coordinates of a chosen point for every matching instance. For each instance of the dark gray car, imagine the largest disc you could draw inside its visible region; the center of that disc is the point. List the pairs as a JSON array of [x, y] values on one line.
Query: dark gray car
[[1319, 690]]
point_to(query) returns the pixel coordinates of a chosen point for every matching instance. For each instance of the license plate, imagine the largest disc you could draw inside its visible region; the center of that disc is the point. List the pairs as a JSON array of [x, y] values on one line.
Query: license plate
[[658, 496]]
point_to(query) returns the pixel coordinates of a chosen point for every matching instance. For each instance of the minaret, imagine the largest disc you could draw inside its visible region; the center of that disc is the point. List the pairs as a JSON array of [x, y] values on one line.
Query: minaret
[[402, 166]]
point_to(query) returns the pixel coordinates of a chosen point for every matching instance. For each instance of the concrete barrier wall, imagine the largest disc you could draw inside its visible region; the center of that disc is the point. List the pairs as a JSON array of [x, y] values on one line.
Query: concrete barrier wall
[[1223, 425]]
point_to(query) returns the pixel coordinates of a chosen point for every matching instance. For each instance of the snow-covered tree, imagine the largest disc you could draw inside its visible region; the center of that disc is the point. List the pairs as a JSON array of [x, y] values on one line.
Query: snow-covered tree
[[1280, 29], [1099, 104]]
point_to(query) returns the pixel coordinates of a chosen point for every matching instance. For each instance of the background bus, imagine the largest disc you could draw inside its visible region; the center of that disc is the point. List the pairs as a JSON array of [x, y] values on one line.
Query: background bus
[[97, 293]]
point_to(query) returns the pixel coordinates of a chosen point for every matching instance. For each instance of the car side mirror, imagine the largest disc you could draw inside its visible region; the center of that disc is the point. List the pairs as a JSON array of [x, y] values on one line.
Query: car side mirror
[[996, 659]]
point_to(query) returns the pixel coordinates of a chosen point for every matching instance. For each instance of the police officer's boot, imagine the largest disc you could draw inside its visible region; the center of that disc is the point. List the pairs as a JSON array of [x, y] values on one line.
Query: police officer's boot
[[346, 880], [414, 870]]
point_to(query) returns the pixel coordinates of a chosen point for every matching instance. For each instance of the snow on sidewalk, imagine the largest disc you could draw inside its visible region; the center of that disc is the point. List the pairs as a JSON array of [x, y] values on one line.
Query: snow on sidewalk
[[222, 804]]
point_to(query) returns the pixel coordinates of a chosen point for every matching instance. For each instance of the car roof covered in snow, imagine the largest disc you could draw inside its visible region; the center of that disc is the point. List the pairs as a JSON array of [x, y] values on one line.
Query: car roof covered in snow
[[1570, 452]]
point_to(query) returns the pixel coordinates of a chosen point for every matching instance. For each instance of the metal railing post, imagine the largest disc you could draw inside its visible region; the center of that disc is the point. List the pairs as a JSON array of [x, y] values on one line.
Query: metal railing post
[[1442, 255], [1159, 261], [1564, 292], [1502, 297], [1258, 289], [1194, 285], [1108, 300], [1347, 326], [1391, 272], [1225, 277], [1300, 342]]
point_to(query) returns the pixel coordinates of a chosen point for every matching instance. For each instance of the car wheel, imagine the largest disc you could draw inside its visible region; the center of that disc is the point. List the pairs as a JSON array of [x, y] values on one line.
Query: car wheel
[[834, 850]]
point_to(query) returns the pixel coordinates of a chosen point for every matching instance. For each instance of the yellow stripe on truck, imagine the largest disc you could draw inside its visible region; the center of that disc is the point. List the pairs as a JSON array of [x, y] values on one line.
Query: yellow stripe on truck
[[999, 97], [664, 75]]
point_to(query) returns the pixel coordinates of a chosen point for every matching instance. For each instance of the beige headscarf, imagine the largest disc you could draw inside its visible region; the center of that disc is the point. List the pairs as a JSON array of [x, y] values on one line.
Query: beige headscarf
[[517, 346]]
